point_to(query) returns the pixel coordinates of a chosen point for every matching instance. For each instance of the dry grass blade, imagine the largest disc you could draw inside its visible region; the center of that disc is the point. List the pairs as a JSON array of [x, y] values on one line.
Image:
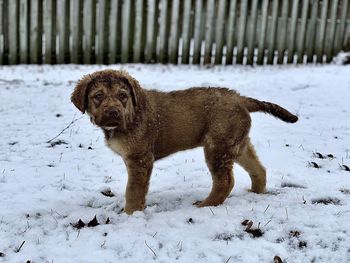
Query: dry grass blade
[[154, 253]]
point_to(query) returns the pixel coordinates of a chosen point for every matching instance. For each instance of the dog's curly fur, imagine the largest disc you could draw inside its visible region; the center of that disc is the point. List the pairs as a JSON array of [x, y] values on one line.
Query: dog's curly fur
[[143, 126]]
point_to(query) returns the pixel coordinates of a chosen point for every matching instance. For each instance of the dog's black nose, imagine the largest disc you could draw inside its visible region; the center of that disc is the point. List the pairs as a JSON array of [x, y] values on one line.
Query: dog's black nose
[[112, 114]]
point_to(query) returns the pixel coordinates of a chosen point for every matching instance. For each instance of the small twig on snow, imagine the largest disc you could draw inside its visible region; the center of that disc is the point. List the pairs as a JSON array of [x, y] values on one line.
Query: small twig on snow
[[212, 211], [154, 253], [18, 249], [267, 223], [266, 208], [67, 127]]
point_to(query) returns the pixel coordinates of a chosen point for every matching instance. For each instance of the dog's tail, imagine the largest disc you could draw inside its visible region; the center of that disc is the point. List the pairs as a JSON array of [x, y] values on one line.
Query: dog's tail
[[253, 105]]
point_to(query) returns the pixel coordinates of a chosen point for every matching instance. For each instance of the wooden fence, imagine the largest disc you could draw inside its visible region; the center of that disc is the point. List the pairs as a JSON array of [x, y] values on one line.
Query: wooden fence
[[173, 31]]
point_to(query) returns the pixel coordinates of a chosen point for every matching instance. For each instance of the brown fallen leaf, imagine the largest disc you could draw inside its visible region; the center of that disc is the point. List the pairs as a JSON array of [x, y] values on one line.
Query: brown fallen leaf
[[93, 222], [79, 224], [277, 259], [108, 193]]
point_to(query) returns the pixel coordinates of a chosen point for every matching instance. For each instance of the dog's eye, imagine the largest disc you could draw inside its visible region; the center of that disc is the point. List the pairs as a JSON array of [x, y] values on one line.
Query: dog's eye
[[122, 96], [98, 96]]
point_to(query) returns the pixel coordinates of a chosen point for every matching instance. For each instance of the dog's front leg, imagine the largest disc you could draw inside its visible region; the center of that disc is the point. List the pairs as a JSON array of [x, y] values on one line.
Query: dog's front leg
[[139, 172]]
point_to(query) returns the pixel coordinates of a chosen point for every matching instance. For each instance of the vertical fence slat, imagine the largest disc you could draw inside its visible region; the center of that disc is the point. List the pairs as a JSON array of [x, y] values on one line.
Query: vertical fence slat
[[272, 35], [209, 16], [311, 31], [331, 33], [186, 31], [252, 32], [89, 29], [241, 31], [347, 37], [125, 30], [138, 30], [321, 32], [340, 41], [13, 31], [102, 44], [262, 36], [63, 22], [50, 31], [23, 31], [77, 32], [283, 35], [1, 32], [302, 31], [292, 33], [174, 39], [150, 36], [162, 31], [5, 31], [231, 31], [35, 42], [219, 31], [114, 44], [197, 32]]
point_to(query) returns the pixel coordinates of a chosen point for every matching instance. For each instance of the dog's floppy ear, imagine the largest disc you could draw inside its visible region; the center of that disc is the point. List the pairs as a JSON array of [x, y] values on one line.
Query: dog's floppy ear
[[135, 90], [79, 95]]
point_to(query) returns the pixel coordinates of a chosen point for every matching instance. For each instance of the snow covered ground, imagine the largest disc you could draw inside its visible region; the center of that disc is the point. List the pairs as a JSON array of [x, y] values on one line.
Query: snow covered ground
[[46, 188]]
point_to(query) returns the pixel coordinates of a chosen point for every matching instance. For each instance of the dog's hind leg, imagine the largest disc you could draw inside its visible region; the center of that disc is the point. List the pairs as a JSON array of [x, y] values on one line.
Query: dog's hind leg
[[220, 164], [250, 162], [222, 146]]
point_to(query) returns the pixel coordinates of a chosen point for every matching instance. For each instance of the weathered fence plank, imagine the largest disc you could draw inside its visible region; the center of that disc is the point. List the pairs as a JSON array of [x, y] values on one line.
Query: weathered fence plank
[[186, 31], [162, 45], [150, 34], [77, 31], [89, 29], [272, 35], [252, 32], [262, 36], [311, 31], [231, 31], [1, 32], [281, 43], [320, 43], [302, 31], [126, 8], [63, 22], [342, 27], [35, 32], [241, 31], [292, 34], [50, 31], [13, 31], [198, 32], [210, 12], [23, 31], [174, 25], [219, 31], [102, 40], [114, 40], [138, 31], [331, 32]]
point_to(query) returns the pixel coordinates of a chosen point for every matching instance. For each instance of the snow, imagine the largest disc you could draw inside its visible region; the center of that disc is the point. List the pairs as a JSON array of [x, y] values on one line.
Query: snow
[[45, 190]]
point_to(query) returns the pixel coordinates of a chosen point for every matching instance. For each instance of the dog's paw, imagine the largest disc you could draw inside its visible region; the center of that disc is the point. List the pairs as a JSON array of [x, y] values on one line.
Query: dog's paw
[[198, 203]]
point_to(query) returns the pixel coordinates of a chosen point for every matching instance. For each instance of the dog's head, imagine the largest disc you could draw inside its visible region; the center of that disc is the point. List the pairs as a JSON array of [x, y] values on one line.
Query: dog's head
[[111, 98]]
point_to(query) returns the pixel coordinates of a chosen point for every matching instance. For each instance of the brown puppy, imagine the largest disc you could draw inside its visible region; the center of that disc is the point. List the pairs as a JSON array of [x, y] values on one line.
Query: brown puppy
[[143, 126]]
